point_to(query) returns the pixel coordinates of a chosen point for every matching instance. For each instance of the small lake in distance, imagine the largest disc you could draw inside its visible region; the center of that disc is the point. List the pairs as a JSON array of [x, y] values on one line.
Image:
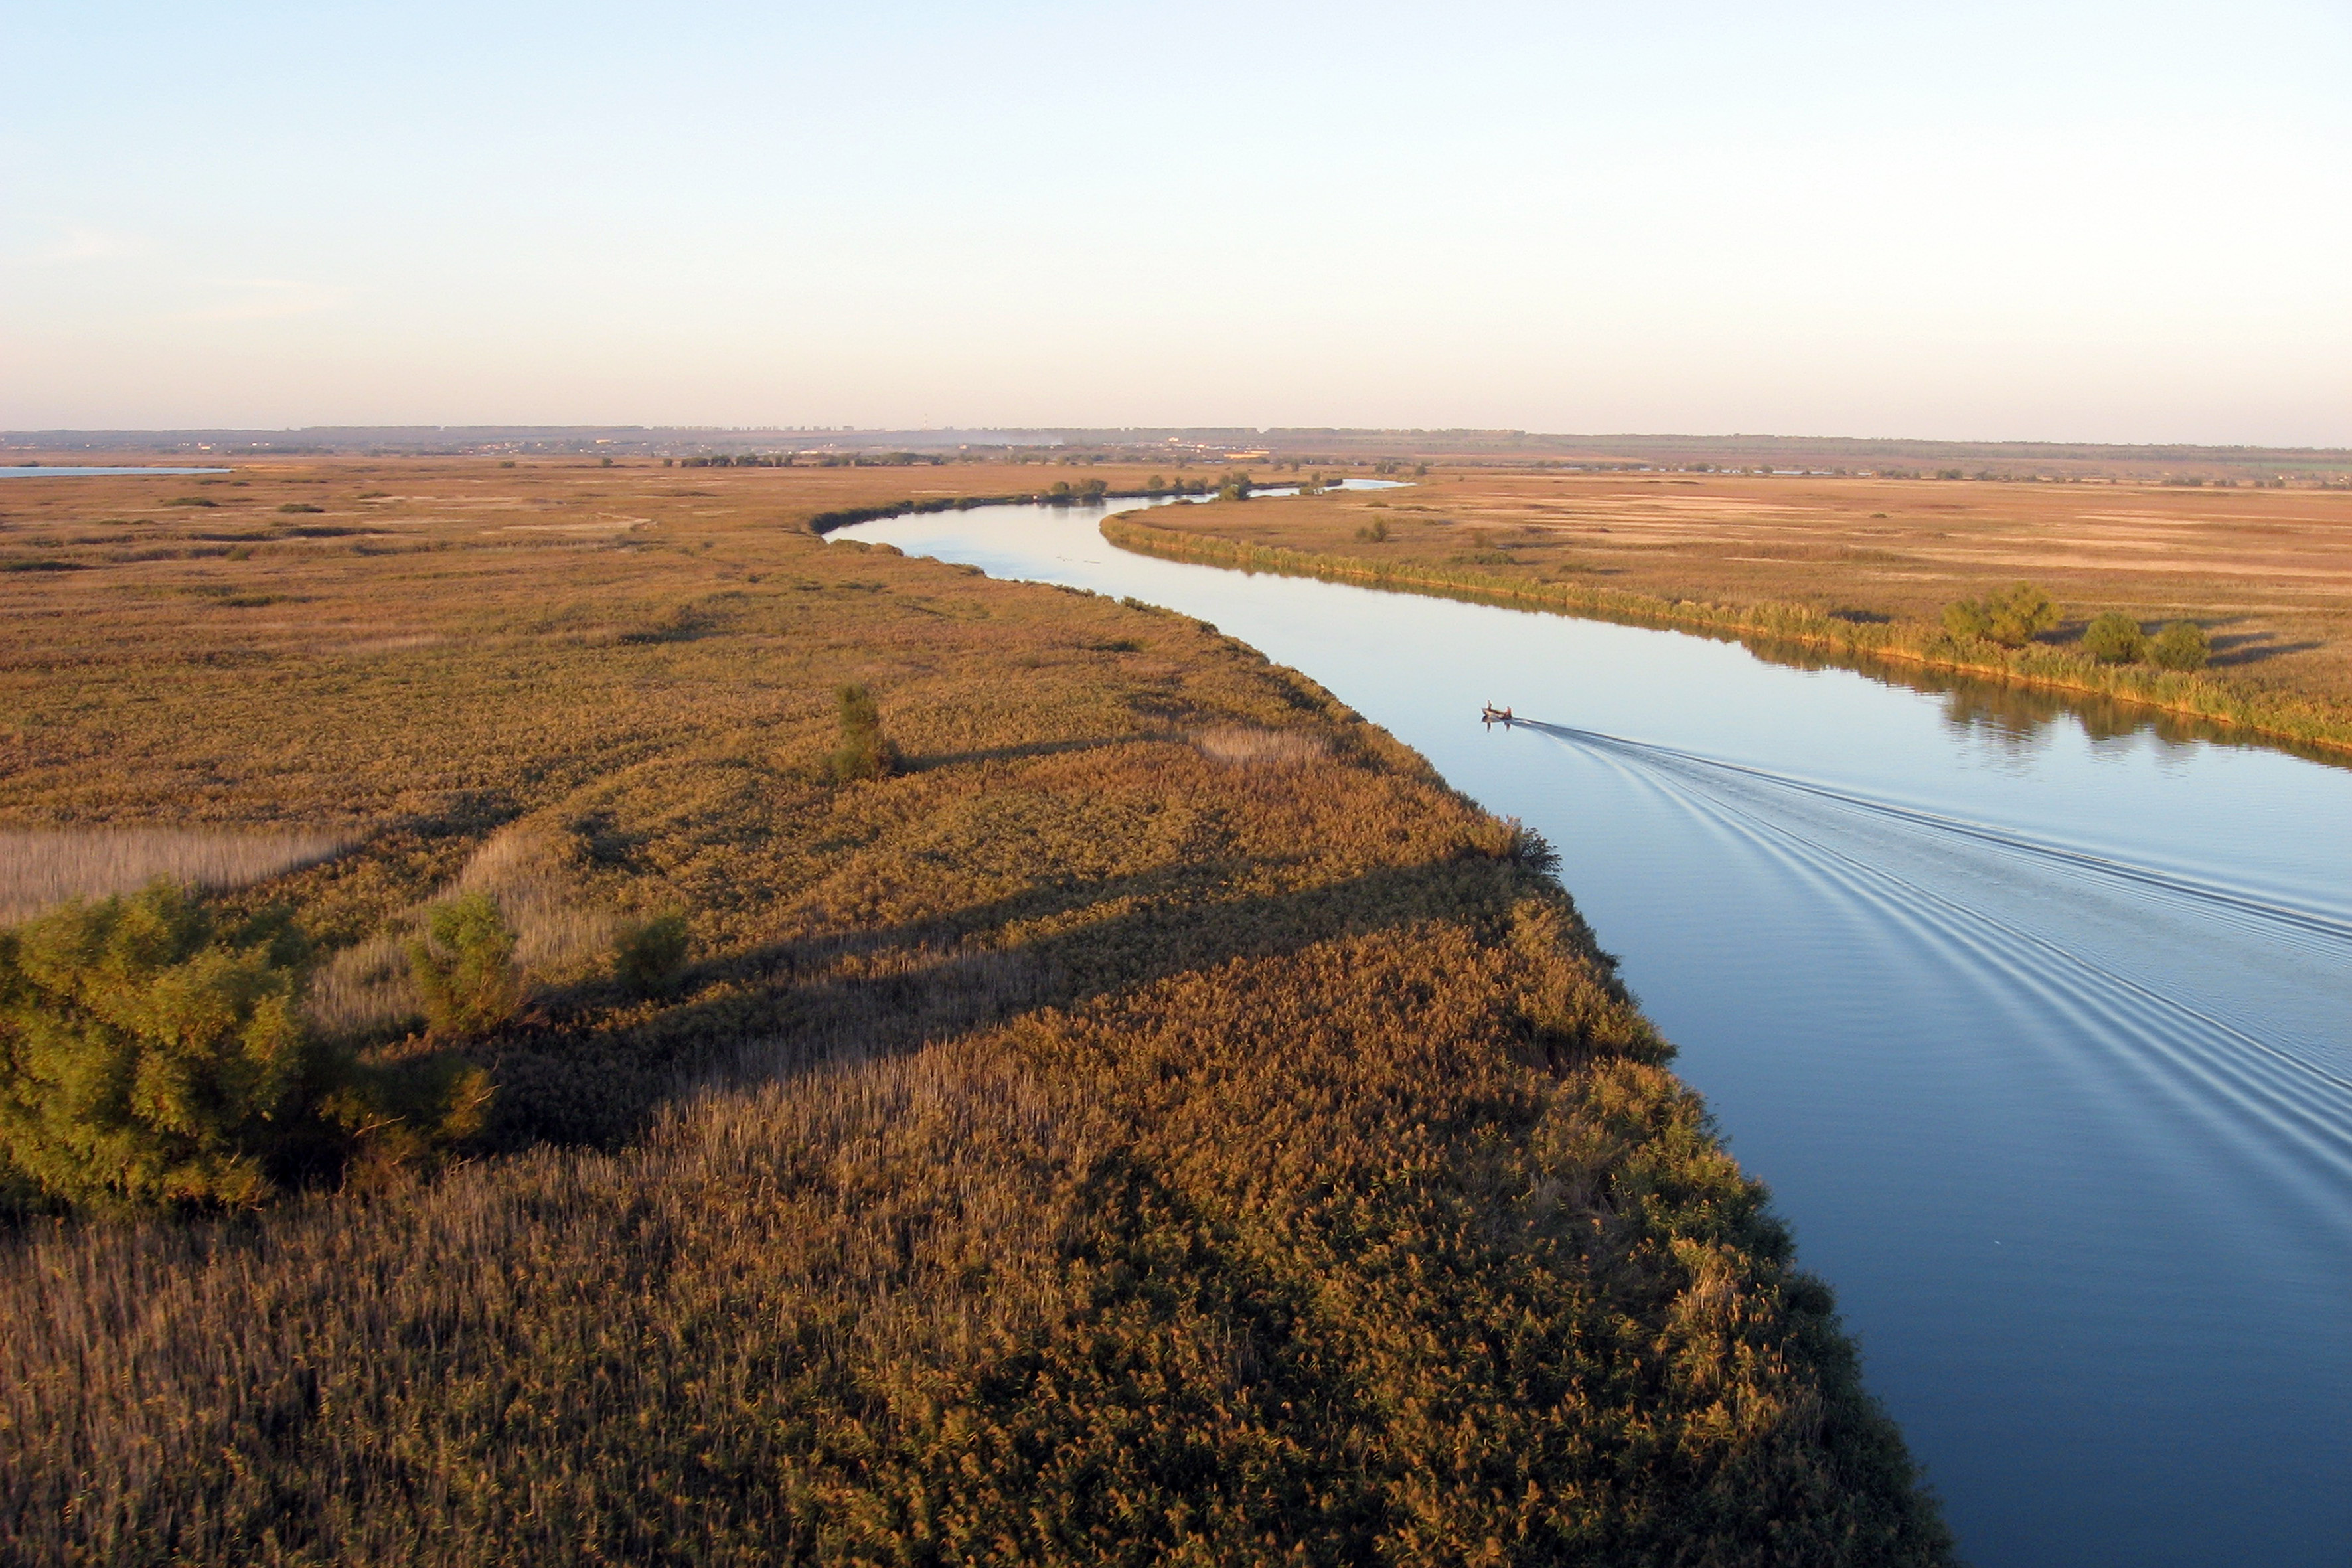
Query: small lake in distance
[[2038, 1023], [58, 471]]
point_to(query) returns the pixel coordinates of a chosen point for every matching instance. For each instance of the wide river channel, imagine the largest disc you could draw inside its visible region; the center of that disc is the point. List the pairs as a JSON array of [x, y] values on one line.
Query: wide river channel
[[2038, 1022]]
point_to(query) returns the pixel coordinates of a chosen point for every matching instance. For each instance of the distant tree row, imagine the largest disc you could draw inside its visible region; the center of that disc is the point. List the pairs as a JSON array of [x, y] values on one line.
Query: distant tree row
[[807, 460]]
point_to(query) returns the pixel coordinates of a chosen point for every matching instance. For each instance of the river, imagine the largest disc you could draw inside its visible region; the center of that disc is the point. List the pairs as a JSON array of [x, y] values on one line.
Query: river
[[2037, 1022]]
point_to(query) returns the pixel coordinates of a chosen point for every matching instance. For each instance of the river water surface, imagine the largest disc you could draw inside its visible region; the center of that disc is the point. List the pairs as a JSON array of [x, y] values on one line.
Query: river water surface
[[2039, 1027]]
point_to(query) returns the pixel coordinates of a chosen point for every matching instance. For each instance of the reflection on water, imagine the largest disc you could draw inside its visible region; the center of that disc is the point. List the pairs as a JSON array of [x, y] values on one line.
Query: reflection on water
[[2017, 716], [2035, 1009]]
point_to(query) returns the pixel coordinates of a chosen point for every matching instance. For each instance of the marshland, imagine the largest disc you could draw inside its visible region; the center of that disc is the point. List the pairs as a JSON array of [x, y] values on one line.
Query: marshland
[[781, 1049], [2027, 1002]]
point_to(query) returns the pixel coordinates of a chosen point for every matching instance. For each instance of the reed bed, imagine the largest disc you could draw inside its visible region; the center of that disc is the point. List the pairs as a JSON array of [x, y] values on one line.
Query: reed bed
[[1389, 1248], [43, 867], [1160, 1121]]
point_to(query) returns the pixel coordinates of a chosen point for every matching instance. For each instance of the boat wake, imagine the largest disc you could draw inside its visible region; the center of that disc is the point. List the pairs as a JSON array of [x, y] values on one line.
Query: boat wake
[[2094, 956]]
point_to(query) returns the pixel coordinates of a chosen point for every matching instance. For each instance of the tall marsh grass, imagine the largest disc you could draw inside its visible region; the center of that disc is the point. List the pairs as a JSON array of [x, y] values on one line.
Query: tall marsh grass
[[1163, 1125], [43, 867]]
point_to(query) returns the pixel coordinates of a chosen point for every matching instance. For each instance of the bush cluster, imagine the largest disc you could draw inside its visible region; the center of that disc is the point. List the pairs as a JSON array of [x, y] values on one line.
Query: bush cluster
[[2012, 618], [153, 1055], [649, 956], [464, 966], [2114, 637], [2183, 644]]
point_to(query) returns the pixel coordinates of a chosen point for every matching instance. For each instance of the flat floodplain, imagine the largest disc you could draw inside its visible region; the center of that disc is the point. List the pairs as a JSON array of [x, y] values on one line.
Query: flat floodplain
[[2268, 571], [1156, 1117], [306, 645]]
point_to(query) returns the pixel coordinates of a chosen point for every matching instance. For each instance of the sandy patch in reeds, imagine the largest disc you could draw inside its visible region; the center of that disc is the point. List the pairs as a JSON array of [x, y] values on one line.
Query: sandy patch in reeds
[[1244, 746], [43, 867], [392, 645]]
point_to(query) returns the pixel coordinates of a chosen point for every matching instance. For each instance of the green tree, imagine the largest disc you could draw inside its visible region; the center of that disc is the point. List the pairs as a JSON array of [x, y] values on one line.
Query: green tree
[[146, 1055], [403, 1116], [865, 752], [2183, 644], [1968, 618], [648, 955], [2012, 618], [464, 966], [2114, 638]]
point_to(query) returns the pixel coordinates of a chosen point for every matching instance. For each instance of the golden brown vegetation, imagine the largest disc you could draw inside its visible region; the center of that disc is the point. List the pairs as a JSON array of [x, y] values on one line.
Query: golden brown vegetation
[[40, 870], [1155, 1119], [1864, 567]]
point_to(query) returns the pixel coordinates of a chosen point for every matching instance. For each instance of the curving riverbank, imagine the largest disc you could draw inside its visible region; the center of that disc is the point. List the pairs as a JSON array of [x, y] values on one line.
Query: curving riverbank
[[2305, 722], [1157, 1116], [1985, 980]]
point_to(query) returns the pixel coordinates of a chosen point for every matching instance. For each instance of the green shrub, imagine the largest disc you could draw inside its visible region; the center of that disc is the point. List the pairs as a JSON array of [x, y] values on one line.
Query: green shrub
[[2181, 646], [1374, 531], [404, 1116], [649, 956], [463, 967], [2114, 638], [147, 1057], [865, 752], [2012, 618]]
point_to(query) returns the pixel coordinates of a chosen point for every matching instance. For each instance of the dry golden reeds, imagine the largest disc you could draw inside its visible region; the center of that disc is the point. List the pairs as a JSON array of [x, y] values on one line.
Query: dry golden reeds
[[1082, 1144], [41, 868]]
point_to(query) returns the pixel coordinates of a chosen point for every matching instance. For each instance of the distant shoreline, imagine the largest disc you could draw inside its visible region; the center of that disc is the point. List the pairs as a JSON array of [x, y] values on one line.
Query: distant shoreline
[[2302, 721]]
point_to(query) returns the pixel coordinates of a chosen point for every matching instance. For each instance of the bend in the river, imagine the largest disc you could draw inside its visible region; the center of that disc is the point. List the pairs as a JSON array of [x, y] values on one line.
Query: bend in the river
[[2038, 1020]]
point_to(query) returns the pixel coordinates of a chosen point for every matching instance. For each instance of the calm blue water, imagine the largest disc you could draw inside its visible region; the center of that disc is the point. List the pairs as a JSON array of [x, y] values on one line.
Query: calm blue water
[[47, 471], [2041, 1034]]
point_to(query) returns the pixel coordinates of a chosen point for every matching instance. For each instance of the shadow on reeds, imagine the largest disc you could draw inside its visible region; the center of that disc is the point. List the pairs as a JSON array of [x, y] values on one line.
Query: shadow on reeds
[[1010, 753], [2238, 649], [786, 1009]]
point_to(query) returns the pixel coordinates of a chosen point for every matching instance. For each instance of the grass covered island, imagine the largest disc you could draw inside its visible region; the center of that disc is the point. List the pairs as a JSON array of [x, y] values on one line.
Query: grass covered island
[[662, 1039]]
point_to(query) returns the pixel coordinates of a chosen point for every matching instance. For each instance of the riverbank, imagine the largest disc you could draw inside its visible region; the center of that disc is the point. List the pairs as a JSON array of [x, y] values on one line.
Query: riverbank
[[1206, 536], [1157, 1116]]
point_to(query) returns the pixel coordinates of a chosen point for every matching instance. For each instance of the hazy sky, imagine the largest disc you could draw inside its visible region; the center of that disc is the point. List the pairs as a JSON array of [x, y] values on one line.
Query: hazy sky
[[2122, 222]]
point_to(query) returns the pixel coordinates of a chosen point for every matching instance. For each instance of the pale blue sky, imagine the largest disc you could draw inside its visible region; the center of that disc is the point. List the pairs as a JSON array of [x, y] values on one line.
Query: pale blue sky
[[2073, 221]]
